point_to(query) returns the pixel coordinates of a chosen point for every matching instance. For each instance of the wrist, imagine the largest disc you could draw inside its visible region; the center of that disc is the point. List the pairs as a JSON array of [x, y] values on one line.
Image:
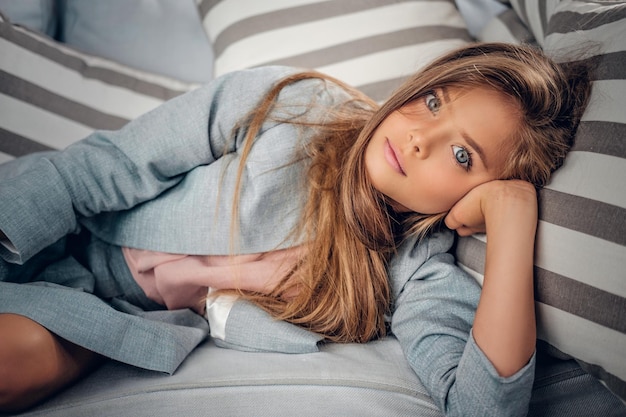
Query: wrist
[[512, 210]]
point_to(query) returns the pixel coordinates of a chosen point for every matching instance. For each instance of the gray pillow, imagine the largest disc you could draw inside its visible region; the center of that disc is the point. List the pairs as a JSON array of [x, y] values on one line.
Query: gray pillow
[[160, 36], [38, 15]]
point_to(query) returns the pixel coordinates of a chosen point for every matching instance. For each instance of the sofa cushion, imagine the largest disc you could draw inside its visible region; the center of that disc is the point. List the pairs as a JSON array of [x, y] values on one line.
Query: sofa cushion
[[161, 36], [371, 379], [581, 245], [38, 15], [506, 27], [69, 94], [372, 45], [477, 13], [535, 15]]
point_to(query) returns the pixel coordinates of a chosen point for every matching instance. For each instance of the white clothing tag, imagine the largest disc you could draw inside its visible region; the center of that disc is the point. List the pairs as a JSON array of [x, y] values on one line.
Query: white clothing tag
[[217, 310]]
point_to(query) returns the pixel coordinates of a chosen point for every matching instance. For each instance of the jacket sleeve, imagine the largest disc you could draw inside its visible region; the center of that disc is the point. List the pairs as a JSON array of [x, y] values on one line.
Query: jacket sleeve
[[433, 315], [117, 170]]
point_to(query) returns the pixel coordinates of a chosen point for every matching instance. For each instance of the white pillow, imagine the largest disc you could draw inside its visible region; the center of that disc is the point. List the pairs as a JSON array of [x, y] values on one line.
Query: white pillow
[[371, 45]]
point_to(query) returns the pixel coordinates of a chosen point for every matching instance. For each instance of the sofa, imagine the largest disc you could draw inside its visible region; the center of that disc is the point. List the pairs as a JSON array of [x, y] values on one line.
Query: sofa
[[68, 67]]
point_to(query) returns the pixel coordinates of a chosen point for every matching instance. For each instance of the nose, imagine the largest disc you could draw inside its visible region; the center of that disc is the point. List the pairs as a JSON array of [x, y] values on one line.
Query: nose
[[421, 143]]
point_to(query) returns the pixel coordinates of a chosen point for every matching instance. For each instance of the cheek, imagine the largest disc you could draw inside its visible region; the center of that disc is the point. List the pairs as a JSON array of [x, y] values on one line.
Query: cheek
[[447, 199], [446, 191], [431, 197]]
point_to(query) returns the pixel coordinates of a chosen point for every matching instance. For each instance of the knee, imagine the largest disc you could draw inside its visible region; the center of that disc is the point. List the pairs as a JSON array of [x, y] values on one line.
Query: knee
[[24, 345]]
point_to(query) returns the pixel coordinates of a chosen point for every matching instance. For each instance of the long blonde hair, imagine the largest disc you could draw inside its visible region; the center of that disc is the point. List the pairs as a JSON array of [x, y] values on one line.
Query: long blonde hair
[[340, 284]]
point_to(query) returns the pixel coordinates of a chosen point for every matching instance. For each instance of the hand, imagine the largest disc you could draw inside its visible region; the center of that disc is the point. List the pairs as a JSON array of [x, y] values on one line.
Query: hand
[[505, 200]]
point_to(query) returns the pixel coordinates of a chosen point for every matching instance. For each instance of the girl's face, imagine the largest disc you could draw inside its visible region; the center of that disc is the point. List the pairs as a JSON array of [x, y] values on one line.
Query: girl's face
[[428, 154]]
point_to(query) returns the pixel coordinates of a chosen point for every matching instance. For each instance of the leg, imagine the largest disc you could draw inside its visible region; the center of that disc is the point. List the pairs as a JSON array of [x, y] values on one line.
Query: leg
[[35, 363]]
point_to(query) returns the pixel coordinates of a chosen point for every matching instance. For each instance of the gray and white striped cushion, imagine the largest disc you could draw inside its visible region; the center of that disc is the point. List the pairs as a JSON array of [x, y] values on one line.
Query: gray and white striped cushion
[[535, 14], [372, 44], [52, 95], [581, 254], [506, 27]]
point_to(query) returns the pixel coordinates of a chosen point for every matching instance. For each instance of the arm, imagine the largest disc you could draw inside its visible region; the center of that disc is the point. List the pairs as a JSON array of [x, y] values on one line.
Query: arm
[[436, 317], [504, 327], [113, 171]]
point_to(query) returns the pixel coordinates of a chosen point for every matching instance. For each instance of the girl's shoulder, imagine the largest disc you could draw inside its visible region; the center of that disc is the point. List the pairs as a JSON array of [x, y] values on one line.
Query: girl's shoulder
[[425, 258]]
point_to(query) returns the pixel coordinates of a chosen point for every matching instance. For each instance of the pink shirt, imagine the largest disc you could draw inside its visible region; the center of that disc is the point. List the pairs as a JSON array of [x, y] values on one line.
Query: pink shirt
[[181, 281]]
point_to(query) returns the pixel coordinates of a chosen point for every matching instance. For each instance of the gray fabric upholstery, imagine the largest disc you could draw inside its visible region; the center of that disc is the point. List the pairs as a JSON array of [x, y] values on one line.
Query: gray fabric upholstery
[[340, 380]]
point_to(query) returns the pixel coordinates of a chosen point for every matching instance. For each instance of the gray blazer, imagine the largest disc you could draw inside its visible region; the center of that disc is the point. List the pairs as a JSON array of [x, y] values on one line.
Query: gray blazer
[[165, 182]]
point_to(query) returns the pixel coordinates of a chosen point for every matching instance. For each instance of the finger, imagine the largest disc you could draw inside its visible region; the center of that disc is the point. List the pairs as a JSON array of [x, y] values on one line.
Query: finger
[[451, 221], [467, 231], [463, 231]]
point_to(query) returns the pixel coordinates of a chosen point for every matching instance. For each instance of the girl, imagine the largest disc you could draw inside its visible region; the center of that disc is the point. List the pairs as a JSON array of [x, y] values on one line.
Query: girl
[[292, 194]]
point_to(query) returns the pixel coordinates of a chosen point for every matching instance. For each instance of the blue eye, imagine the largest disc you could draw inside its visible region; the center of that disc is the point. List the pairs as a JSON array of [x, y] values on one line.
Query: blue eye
[[432, 102], [463, 157]]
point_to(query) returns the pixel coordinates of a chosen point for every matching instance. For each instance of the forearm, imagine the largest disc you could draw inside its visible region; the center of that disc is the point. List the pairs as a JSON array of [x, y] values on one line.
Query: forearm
[[504, 326], [433, 315]]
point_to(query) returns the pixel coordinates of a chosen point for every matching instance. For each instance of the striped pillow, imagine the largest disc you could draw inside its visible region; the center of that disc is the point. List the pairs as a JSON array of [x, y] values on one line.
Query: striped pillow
[[580, 267], [535, 15], [372, 45], [52, 95], [506, 27]]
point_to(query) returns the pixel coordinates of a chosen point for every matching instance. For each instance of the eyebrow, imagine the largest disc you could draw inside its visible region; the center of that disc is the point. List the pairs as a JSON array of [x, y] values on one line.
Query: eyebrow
[[476, 147], [470, 141]]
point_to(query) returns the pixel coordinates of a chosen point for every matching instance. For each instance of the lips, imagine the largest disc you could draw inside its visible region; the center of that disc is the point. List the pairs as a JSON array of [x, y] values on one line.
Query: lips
[[392, 158]]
